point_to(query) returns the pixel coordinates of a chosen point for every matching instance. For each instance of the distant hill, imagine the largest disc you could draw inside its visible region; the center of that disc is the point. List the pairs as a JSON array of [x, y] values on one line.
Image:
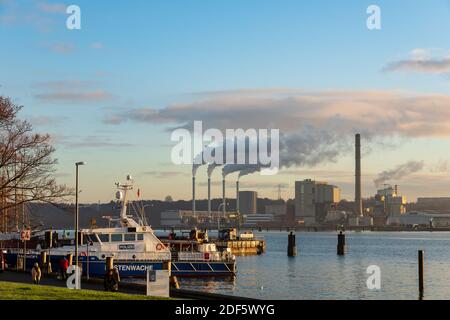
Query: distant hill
[[62, 217]]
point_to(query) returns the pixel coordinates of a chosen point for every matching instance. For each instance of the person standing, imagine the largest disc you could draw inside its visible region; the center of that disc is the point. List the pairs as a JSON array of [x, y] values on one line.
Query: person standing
[[107, 281], [63, 266], [36, 274], [115, 280]]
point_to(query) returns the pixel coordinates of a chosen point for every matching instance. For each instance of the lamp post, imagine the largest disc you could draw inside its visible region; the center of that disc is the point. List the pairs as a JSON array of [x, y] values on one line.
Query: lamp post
[[77, 164]]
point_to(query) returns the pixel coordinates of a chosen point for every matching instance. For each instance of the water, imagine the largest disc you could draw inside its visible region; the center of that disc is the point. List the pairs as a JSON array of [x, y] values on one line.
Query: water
[[318, 273]]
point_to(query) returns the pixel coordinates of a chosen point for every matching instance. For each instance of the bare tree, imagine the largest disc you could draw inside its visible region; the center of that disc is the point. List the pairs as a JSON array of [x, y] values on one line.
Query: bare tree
[[27, 165]]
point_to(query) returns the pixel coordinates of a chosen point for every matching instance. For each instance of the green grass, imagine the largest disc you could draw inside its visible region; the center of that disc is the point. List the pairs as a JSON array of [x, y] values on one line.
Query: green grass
[[20, 291]]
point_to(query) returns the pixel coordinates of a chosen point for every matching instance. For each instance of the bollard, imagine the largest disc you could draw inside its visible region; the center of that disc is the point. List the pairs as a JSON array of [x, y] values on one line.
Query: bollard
[[70, 259], [292, 249], [109, 263], [174, 282], [341, 244], [421, 289], [43, 259], [167, 266]]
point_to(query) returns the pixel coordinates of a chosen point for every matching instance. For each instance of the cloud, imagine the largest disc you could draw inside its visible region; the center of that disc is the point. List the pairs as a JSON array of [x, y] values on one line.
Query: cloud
[[71, 91], [420, 61], [399, 172], [92, 141], [40, 15], [441, 166], [315, 127], [338, 112], [245, 185], [38, 121], [74, 97], [62, 47], [53, 8], [322, 174], [65, 84], [164, 174], [97, 45]]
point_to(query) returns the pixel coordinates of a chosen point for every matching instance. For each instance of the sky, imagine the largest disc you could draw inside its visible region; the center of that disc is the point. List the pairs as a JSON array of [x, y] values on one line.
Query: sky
[[112, 92]]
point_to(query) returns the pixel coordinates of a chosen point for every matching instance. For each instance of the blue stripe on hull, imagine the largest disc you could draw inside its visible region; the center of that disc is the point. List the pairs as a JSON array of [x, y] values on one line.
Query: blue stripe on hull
[[97, 267]]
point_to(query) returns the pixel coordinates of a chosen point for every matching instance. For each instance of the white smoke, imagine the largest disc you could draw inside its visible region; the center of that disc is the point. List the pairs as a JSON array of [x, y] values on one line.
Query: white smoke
[[399, 172]]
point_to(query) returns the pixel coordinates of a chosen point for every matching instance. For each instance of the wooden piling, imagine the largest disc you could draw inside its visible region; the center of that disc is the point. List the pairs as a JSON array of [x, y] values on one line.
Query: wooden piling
[[420, 262], [109, 263], [292, 249], [341, 244]]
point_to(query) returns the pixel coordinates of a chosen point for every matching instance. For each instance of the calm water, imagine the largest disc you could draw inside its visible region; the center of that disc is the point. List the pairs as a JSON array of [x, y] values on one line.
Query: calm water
[[318, 273]]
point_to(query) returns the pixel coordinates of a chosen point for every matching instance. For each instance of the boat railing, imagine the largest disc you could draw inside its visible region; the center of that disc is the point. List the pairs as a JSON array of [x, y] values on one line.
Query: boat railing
[[204, 256]]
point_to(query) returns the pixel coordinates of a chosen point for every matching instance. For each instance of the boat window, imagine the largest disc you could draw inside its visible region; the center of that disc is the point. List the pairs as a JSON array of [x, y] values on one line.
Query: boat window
[[104, 237], [91, 238], [116, 237], [140, 236], [130, 237]]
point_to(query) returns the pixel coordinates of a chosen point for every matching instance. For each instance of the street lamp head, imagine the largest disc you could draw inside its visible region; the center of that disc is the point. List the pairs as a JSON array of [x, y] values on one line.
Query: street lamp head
[[81, 163]]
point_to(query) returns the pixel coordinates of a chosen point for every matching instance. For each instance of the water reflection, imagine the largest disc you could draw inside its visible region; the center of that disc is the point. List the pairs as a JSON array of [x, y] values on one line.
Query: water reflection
[[318, 273]]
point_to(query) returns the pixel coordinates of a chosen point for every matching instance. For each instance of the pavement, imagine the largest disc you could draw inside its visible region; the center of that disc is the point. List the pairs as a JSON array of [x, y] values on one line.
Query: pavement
[[130, 288], [51, 280]]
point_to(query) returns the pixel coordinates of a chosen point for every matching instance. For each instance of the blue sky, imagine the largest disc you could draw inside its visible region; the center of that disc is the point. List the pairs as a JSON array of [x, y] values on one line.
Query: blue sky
[[153, 55]]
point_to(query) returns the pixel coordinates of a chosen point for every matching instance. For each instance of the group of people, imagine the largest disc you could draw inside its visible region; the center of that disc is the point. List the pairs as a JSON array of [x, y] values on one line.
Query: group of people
[[111, 280]]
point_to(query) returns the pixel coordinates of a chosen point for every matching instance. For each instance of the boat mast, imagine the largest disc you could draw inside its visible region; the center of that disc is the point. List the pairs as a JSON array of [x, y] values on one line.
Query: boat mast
[[125, 187]]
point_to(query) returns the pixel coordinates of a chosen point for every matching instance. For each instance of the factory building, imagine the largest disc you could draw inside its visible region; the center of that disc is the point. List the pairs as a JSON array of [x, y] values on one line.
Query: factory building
[[313, 199], [422, 219], [185, 218], [433, 203], [276, 209], [393, 202], [253, 220], [248, 202]]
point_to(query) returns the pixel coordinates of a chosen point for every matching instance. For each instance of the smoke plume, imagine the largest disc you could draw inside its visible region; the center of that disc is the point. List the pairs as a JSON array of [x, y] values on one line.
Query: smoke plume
[[399, 172]]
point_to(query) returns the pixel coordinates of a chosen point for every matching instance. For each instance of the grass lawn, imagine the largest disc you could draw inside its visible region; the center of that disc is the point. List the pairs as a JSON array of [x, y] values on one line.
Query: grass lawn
[[20, 291]]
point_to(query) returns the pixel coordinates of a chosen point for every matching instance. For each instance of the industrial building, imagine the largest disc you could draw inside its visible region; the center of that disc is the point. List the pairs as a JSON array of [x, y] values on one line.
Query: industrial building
[[313, 199], [420, 219], [276, 209], [248, 202], [393, 202], [185, 218], [431, 203], [253, 220]]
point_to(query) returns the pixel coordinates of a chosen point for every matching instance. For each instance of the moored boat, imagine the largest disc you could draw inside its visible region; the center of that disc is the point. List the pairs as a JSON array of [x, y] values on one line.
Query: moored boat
[[133, 246]]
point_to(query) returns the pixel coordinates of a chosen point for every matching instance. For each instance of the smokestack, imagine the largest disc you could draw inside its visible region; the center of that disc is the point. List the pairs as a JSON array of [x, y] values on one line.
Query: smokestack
[[358, 200], [209, 197], [223, 198], [193, 196], [237, 196]]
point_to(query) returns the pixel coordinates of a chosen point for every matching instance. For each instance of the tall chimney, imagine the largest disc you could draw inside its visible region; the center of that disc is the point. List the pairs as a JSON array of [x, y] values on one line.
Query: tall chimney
[[224, 199], [193, 196], [209, 197], [358, 200], [237, 196]]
